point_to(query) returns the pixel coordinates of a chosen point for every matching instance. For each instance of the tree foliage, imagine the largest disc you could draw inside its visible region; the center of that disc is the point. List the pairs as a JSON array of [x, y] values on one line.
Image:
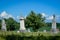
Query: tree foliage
[[11, 24], [35, 21]]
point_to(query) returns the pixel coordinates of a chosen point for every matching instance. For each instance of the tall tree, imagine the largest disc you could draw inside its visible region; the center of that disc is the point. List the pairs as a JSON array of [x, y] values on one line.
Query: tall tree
[[12, 24], [34, 20]]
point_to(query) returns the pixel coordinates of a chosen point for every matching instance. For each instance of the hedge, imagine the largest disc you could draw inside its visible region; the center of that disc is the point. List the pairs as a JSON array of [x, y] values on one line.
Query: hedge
[[28, 36]]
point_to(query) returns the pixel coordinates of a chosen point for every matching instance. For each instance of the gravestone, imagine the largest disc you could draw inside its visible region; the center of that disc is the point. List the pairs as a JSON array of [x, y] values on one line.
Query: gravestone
[[54, 30], [28, 30], [44, 30], [3, 28], [22, 25]]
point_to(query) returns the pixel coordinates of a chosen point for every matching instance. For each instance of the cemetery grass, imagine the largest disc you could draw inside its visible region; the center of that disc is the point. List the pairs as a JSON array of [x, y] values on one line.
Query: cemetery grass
[[13, 35], [4, 33]]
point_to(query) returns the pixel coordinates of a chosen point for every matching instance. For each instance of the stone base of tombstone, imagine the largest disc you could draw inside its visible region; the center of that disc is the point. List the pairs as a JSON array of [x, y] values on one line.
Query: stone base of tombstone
[[23, 31], [54, 30], [3, 29]]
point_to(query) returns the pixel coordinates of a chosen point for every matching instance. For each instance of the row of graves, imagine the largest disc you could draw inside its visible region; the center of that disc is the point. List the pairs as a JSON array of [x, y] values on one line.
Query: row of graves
[[23, 29]]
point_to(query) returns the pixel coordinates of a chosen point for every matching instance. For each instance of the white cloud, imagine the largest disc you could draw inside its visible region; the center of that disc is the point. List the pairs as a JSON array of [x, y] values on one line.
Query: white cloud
[[43, 14], [49, 18], [4, 14]]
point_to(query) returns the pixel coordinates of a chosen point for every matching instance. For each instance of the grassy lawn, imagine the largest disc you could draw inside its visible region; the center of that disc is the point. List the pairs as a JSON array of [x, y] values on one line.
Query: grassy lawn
[[13, 35], [26, 33], [45, 28]]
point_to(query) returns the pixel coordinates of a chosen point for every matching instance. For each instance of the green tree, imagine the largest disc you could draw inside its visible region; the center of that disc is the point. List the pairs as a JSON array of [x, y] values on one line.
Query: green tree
[[12, 24], [35, 21]]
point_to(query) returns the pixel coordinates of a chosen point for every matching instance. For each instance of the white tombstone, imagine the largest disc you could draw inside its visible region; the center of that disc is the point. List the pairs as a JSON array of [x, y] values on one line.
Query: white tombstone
[[28, 30], [22, 25], [44, 30], [3, 28], [18, 31], [54, 24]]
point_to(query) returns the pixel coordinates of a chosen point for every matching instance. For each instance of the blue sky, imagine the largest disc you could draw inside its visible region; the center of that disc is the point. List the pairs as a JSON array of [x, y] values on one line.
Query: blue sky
[[23, 7]]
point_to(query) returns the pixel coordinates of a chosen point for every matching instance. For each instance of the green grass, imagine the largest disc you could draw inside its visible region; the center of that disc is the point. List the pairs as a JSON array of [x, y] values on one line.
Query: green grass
[[8, 35], [25, 34], [45, 28]]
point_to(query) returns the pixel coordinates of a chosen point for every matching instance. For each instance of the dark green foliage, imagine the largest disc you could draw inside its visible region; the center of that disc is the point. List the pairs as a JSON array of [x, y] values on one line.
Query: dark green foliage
[[49, 24], [45, 28], [35, 21], [11, 24]]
